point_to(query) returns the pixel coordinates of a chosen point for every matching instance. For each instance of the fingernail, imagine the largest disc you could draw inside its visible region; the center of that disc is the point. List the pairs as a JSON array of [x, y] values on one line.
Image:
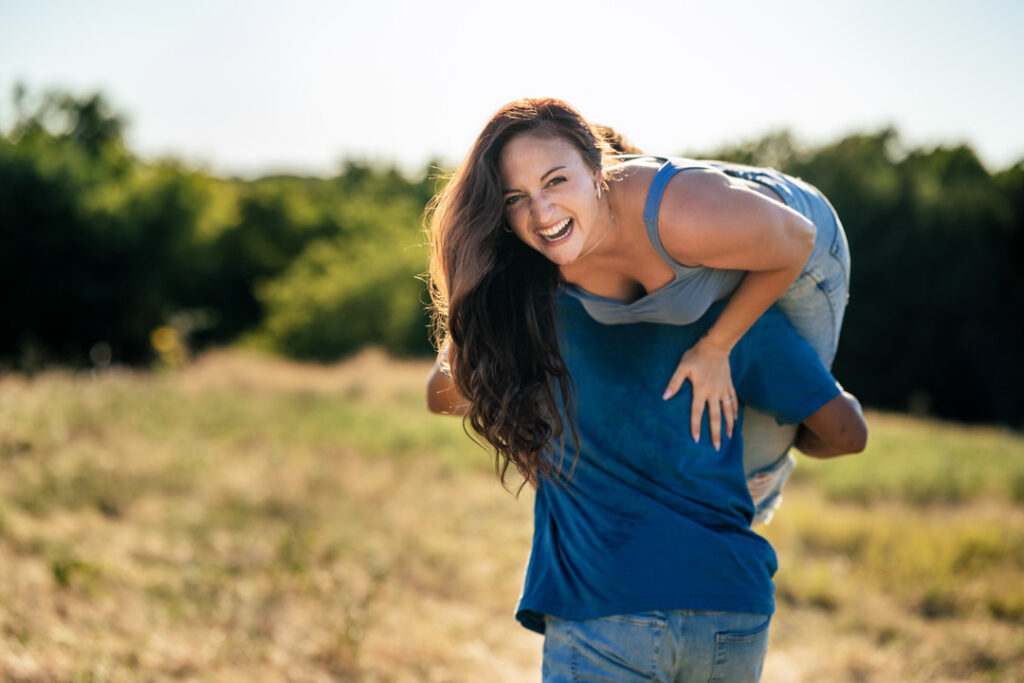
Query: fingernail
[[667, 395], [696, 438], [718, 446]]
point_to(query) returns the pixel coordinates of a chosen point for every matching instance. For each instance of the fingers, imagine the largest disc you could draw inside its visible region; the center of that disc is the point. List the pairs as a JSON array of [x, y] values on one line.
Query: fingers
[[715, 418], [729, 414], [712, 389], [696, 413], [718, 409], [676, 383]]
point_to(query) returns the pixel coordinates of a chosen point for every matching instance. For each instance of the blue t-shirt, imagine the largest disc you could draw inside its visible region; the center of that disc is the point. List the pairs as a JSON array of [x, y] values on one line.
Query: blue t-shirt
[[650, 520]]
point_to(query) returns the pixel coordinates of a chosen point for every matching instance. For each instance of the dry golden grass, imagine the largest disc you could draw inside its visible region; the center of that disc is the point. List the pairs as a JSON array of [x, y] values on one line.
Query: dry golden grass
[[252, 519], [896, 592]]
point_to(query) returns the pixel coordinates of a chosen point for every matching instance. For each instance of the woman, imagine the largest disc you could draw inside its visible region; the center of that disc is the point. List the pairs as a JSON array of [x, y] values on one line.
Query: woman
[[541, 204]]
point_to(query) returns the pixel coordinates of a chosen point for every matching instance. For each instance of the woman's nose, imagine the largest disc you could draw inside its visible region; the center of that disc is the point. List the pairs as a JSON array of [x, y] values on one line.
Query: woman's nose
[[540, 209]]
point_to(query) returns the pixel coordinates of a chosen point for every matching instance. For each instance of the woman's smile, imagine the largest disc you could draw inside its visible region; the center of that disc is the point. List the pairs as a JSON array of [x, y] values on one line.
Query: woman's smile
[[557, 232]]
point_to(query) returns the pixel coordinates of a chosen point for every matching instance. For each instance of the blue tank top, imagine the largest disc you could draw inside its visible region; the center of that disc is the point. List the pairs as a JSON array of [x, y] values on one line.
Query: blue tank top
[[693, 288]]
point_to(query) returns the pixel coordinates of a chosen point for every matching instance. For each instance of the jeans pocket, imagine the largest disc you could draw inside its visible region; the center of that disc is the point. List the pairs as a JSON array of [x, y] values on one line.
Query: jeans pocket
[[828, 272], [621, 648], [834, 282], [739, 655], [840, 251]]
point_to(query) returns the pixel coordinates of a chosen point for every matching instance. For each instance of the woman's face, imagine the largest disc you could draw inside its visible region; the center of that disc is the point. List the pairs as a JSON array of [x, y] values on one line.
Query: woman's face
[[550, 196]]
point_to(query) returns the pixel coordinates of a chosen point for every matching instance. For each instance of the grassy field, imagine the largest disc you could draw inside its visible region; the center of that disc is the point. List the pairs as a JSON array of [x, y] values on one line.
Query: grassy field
[[248, 519]]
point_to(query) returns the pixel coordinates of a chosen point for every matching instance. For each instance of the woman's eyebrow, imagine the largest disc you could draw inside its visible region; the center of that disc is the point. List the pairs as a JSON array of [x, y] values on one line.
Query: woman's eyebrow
[[556, 168]]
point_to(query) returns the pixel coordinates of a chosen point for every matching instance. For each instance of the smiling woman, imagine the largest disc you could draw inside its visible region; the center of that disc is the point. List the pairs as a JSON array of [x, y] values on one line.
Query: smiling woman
[[542, 205], [555, 212]]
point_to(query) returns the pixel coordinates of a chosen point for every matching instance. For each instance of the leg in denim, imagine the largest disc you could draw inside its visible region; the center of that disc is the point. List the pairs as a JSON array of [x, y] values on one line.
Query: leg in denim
[[815, 304], [677, 646]]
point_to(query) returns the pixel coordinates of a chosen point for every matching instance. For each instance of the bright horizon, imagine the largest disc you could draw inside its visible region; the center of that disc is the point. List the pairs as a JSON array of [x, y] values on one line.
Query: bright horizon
[[263, 87]]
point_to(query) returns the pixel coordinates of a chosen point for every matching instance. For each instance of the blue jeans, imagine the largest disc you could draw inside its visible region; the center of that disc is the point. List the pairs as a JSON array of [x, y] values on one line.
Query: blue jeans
[[678, 646], [815, 304]]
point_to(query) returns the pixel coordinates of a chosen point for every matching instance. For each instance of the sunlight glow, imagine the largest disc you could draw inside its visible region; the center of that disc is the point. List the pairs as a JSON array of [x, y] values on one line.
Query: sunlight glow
[[262, 86]]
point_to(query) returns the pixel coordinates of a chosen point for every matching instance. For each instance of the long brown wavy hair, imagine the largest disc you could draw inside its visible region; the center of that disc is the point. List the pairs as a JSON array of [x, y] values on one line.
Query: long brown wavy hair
[[492, 296]]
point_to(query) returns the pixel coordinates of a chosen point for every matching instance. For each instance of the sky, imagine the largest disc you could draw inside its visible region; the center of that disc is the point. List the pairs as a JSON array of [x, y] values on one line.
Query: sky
[[257, 87]]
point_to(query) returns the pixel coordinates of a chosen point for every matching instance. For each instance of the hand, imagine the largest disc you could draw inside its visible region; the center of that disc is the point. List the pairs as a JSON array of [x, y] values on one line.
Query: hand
[[707, 368]]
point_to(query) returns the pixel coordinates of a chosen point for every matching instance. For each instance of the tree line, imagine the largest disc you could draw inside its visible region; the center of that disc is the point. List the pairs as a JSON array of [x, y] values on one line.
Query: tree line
[[108, 258]]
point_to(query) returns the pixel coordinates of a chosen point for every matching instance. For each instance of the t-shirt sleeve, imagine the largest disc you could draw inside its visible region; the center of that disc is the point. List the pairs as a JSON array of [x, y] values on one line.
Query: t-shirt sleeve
[[442, 362], [777, 372]]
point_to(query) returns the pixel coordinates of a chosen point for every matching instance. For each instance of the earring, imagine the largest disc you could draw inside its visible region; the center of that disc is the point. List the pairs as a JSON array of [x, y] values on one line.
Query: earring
[[504, 225], [597, 189]]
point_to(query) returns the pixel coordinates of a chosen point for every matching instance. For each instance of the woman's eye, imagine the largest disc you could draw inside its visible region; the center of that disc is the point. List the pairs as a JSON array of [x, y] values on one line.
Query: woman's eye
[[509, 201], [556, 181]]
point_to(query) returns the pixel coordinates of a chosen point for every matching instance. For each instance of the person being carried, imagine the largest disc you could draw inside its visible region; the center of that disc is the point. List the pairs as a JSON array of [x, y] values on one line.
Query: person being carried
[[542, 205]]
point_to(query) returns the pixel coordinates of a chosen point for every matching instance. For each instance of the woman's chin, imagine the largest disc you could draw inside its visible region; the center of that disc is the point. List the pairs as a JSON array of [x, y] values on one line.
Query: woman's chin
[[562, 257], [563, 252]]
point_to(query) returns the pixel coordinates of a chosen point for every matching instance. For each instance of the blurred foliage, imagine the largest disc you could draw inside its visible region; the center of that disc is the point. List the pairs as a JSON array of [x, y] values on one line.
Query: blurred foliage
[[99, 249]]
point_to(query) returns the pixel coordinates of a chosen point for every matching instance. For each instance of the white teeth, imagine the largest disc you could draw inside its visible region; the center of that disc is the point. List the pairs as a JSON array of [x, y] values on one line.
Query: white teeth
[[555, 229]]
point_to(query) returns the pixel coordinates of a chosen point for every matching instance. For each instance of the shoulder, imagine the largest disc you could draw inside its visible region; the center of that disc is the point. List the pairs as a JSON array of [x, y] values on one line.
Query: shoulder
[[694, 195], [698, 211], [628, 184], [632, 177], [706, 216], [636, 175], [689, 187]]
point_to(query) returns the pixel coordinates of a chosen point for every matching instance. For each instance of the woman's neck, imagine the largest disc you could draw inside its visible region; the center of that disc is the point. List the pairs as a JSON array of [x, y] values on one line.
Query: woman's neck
[[610, 228], [605, 252]]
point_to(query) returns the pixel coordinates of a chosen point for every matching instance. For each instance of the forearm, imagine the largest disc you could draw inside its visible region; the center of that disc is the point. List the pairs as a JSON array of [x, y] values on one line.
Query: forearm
[[809, 443], [757, 291], [837, 428]]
